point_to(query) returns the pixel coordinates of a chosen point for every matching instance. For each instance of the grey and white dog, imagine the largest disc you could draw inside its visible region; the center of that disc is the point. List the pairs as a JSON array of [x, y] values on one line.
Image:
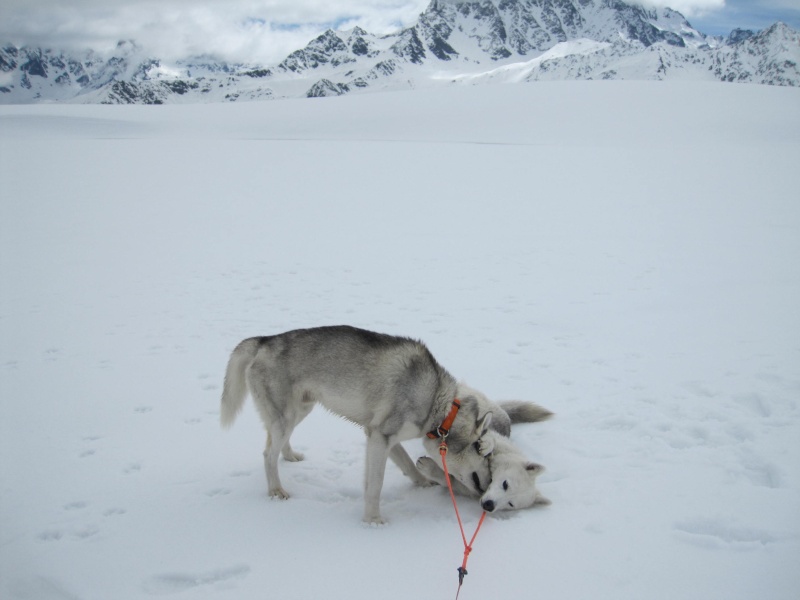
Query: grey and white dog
[[392, 387], [512, 477]]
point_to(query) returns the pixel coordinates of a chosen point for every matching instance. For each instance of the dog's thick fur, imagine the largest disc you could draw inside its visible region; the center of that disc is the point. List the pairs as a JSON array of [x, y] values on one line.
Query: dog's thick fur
[[512, 483], [473, 469], [392, 387], [512, 477]]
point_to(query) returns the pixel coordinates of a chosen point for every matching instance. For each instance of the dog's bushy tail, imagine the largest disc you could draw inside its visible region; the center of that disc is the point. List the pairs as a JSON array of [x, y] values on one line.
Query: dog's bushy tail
[[234, 390], [525, 412]]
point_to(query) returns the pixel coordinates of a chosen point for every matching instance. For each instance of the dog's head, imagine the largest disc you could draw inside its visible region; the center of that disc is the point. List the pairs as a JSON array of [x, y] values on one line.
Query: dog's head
[[475, 417], [513, 484]]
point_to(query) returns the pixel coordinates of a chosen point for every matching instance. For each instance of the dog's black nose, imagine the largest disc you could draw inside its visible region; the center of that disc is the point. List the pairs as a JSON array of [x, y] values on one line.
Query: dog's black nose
[[488, 505]]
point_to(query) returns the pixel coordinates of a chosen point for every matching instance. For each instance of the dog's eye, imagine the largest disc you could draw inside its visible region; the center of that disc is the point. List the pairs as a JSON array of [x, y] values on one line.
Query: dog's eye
[[511, 504], [505, 485]]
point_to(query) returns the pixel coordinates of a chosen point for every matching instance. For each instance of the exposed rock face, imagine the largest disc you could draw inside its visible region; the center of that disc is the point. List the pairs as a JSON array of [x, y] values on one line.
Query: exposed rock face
[[550, 39]]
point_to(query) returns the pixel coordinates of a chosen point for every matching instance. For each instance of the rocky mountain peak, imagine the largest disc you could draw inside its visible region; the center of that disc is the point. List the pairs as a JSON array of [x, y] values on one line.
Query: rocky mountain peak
[[453, 41]]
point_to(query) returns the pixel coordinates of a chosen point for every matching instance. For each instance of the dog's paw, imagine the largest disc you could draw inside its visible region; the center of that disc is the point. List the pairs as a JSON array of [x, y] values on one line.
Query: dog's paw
[[485, 446], [279, 494], [374, 522], [431, 472], [427, 466], [293, 456]]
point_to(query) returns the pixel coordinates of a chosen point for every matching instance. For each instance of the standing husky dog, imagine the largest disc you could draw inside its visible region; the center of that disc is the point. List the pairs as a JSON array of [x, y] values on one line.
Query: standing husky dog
[[390, 386]]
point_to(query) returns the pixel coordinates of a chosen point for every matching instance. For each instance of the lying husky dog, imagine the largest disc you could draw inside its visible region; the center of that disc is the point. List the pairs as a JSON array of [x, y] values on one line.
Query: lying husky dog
[[512, 477], [390, 386]]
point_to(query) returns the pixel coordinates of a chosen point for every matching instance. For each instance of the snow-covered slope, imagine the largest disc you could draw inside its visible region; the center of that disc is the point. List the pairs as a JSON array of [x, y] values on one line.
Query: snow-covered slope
[[769, 57], [451, 41], [624, 253], [126, 77]]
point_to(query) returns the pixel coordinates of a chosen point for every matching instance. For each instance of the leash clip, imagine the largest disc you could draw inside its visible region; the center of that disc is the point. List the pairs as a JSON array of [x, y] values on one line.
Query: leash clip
[[443, 443]]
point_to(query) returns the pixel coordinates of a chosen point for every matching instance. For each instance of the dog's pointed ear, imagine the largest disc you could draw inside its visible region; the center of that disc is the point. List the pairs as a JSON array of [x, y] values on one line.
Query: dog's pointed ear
[[483, 424], [541, 500], [534, 469]]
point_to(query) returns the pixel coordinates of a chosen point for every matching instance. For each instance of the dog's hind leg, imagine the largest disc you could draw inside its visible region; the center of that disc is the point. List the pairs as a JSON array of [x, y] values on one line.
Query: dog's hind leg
[[277, 438], [290, 455], [401, 458], [428, 467], [268, 399], [306, 405]]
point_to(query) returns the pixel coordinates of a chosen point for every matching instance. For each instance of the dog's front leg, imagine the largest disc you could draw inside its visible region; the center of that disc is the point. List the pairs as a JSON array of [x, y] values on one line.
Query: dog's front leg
[[377, 455]]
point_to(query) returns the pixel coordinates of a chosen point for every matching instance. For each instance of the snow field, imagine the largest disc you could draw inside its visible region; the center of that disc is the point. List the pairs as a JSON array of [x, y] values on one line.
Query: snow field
[[622, 253]]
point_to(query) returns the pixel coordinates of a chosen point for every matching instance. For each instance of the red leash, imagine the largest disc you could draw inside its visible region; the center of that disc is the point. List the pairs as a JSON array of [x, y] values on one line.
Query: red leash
[[462, 570]]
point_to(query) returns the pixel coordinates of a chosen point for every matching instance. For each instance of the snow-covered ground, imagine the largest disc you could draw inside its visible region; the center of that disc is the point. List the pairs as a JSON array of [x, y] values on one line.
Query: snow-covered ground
[[626, 254]]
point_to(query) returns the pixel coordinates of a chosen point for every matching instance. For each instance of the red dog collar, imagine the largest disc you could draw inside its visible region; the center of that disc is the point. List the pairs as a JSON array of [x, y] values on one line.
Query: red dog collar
[[442, 430]]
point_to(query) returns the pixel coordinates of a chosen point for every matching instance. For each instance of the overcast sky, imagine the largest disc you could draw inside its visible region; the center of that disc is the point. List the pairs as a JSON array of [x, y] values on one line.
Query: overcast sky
[[266, 31]]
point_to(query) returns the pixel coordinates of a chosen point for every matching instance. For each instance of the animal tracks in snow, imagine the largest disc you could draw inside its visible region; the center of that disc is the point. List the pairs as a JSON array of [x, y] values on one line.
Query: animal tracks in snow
[[50, 535], [52, 354], [90, 451], [81, 523], [174, 583], [132, 468], [241, 473], [712, 533], [207, 382], [755, 403], [76, 534], [760, 472]]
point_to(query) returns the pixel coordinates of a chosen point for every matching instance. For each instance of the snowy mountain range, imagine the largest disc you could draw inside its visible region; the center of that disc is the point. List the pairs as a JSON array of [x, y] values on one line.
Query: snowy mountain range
[[452, 43]]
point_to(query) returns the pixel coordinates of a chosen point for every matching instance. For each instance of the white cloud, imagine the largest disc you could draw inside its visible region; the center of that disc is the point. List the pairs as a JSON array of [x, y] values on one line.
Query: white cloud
[[261, 31], [688, 8], [253, 30]]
